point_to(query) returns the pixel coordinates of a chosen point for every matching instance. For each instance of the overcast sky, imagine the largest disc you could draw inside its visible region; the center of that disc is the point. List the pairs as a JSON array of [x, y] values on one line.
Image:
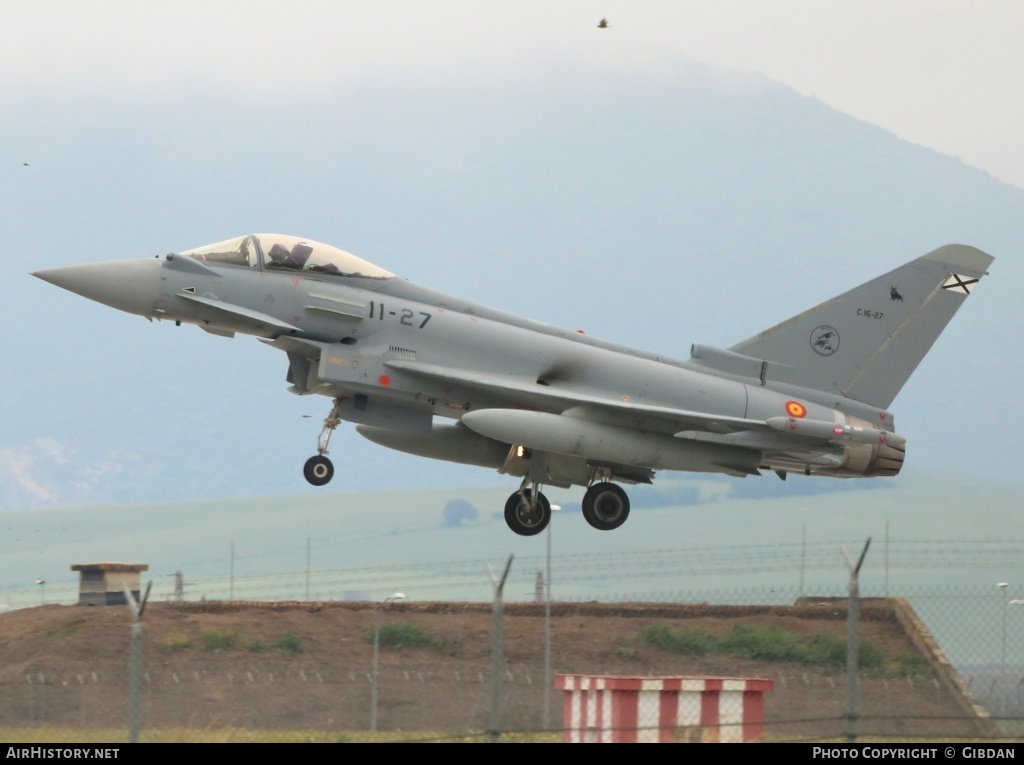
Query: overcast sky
[[946, 75], [408, 131]]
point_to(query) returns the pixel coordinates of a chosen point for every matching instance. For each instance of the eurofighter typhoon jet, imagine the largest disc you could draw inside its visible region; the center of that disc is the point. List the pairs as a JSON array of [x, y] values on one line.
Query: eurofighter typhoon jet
[[437, 376]]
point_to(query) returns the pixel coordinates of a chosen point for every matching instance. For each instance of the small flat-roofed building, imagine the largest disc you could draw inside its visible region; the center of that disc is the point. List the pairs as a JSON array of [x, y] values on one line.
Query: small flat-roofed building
[[102, 584]]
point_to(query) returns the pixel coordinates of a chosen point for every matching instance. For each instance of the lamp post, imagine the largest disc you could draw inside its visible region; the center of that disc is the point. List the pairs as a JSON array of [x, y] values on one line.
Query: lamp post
[[393, 598], [1006, 607], [548, 681], [1014, 602]]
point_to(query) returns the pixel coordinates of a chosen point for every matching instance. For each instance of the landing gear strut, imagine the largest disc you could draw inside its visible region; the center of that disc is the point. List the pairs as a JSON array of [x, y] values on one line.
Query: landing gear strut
[[605, 506], [318, 469], [527, 512]]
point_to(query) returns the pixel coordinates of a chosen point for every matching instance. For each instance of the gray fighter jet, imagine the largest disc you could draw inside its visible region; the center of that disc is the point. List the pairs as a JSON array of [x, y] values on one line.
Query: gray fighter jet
[[551, 406]]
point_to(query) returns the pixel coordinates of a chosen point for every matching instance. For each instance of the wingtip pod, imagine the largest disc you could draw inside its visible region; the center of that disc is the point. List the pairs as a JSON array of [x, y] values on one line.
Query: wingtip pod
[[962, 258], [839, 432]]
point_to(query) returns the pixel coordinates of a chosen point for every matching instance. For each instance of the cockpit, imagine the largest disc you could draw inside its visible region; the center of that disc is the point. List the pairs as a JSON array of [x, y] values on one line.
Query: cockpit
[[278, 252]]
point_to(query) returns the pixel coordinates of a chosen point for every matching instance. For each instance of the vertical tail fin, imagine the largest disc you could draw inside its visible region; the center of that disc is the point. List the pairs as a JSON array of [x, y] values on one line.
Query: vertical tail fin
[[865, 343]]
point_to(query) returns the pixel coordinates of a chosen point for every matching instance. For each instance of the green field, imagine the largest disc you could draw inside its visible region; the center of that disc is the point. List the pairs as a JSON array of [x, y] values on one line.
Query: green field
[[366, 546]]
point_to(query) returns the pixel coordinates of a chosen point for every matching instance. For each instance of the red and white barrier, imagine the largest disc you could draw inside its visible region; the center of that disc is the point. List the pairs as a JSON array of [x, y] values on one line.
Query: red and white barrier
[[613, 709]]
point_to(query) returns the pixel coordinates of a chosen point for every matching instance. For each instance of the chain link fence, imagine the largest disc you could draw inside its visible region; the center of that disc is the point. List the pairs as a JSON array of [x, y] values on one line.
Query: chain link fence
[[225, 659], [796, 569]]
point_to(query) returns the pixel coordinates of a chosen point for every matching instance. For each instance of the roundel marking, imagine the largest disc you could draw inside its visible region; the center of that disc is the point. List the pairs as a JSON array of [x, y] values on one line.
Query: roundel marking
[[796, 409]]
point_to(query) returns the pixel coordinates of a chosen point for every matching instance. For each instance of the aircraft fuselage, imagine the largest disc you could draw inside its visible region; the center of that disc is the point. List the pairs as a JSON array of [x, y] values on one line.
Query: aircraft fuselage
[[547, 404]]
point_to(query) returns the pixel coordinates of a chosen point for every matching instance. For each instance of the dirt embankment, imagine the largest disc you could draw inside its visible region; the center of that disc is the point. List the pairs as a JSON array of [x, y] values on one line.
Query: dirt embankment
[[300, 665]]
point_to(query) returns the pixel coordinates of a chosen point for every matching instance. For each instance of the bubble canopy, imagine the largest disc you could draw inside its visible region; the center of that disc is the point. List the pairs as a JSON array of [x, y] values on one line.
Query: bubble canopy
[[279, 252]]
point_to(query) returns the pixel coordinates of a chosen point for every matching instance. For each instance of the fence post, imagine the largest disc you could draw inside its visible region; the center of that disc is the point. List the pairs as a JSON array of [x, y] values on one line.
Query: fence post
[[135, 662], [496, 654], [852, 617]]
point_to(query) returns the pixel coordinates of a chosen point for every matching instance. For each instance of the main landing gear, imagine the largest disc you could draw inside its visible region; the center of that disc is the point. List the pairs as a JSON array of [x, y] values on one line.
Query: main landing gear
[[527, 512], [318, 469], [605, 507]]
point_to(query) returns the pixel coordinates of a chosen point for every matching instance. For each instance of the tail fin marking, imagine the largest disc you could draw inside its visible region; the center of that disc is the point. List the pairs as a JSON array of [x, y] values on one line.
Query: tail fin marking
[[865, 343]]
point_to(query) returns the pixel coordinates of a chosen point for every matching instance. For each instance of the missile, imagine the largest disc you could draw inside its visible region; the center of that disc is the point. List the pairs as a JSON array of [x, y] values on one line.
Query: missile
[[602, 442], [454, 443], [835, 431]]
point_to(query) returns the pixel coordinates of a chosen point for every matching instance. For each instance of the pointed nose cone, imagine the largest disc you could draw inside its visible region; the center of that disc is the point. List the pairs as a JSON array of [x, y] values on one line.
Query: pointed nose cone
[[128, 285]]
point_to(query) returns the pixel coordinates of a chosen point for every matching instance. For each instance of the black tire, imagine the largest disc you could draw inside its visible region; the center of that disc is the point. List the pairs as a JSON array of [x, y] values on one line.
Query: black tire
[[524, 520], [318, 470], [605, 506]]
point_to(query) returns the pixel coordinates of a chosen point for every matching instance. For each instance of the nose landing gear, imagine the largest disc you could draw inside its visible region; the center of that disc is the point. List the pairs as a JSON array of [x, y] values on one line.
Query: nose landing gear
[[318, 469]]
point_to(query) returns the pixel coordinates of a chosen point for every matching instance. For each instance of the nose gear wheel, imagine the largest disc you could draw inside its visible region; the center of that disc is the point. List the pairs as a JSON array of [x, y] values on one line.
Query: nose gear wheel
[[318, 470]]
